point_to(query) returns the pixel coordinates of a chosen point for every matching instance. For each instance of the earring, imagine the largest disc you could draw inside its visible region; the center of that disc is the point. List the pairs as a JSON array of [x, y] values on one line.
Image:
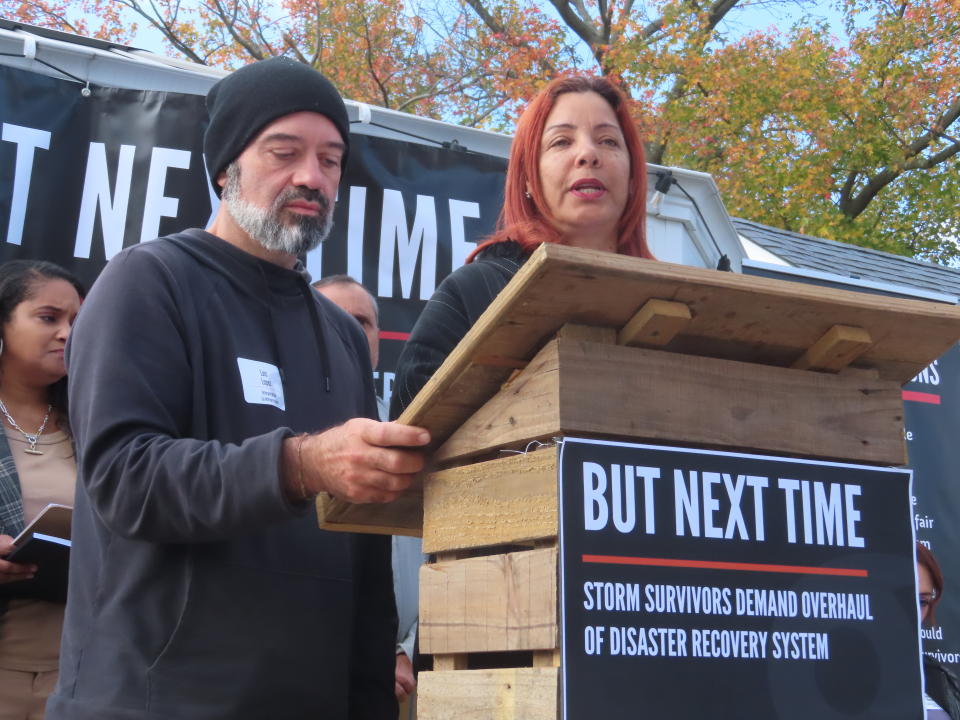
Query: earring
[[526, 194], [1, 346]]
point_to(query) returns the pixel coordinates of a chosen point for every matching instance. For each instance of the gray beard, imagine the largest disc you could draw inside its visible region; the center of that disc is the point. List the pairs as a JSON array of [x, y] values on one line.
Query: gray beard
[[298, 236]]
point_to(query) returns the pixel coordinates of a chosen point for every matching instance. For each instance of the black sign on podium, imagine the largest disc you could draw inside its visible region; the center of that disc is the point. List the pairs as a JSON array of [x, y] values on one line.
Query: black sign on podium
[[705, 584]]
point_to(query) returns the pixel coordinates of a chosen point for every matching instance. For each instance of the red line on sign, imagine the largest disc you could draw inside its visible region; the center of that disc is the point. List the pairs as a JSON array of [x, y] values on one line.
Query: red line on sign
[[921, 397], [718, 565], [390, 335]]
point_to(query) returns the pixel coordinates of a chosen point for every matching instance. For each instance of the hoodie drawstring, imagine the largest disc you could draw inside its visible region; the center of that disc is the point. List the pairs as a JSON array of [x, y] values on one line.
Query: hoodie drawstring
[[315, 323], [317, 333]]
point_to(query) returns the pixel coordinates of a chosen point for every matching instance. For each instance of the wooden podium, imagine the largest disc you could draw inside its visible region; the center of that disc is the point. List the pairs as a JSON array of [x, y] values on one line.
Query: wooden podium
[[596, 345]]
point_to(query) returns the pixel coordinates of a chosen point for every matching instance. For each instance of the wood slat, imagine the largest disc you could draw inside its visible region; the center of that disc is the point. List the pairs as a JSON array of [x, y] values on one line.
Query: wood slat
[[837, 349], [492, 603], [455, 661], [609, 390], [528, 407], [546, 658], [587, 333], [506, 694], [510, 500], [657, 323], [403, 516]]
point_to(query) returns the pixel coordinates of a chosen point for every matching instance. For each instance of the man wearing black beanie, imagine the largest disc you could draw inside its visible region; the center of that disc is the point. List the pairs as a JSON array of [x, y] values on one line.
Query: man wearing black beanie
[[213, 395], [242, 103]]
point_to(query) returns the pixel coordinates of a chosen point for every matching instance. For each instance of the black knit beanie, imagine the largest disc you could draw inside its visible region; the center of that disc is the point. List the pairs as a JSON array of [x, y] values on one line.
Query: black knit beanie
[[246, 100]]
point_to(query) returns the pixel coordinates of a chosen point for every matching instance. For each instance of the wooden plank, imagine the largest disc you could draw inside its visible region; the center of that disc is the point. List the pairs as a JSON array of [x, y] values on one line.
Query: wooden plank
[[490, 603], [514, 373], [404, 516], [528, 406], [736, 317], [838, 347], [503, 694], [657, 323], [500, 361], [610, 390], [588, 333], [860, 372], [546, 658], [509, 500], [455, 661]]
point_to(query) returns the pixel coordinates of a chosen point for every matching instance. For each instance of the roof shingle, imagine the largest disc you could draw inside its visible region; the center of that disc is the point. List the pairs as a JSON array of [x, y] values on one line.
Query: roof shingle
[[806, 251]]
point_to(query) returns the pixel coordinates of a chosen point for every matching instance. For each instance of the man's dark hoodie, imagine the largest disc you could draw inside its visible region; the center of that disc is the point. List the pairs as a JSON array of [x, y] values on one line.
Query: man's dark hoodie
[[197, 590]]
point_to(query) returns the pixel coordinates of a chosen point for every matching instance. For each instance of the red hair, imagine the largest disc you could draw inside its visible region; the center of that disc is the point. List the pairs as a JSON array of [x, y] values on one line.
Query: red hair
[[521, 218], [926, 558]]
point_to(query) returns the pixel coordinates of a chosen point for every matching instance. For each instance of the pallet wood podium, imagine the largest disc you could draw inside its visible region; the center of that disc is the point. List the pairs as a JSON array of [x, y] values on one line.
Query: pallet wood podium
[[591, 344]]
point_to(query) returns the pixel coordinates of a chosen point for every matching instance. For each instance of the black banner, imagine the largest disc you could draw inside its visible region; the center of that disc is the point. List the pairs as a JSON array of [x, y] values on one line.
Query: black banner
[[932, 418], [83, 177], [707, 584]]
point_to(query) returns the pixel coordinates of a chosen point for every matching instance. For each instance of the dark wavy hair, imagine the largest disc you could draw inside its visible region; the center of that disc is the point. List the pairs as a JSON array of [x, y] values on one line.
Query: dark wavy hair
[[522, 218], [18, 280]]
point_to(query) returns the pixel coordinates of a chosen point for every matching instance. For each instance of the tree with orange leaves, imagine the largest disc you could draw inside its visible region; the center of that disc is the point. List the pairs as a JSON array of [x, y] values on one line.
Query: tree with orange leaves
[[852, 138], [376, 51]]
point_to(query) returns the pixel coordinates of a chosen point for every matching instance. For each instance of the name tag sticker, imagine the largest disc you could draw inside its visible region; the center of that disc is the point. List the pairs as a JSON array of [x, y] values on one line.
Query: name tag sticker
[[261, 383]]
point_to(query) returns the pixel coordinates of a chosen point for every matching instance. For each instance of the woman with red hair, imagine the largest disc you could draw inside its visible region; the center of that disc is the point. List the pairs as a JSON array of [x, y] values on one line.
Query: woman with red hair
[[576, 176], [940, 686]]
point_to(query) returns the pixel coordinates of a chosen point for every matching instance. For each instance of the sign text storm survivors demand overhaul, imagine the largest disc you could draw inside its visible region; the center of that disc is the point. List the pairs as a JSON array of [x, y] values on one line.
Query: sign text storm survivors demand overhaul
[[709, 584]]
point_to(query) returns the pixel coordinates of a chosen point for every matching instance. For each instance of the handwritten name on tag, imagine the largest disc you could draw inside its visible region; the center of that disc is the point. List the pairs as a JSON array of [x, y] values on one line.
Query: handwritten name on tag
[[261, 383]]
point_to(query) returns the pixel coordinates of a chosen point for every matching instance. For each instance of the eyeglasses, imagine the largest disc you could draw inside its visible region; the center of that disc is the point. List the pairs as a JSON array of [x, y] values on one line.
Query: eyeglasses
[[927, 599]]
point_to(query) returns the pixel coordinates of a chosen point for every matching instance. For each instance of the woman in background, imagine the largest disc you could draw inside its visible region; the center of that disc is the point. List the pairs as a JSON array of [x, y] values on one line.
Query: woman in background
[[38, 303], [576, 176], [939, 684]]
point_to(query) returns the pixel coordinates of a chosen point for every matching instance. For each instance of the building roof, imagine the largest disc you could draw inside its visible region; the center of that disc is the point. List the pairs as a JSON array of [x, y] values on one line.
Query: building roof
[[829, 256]]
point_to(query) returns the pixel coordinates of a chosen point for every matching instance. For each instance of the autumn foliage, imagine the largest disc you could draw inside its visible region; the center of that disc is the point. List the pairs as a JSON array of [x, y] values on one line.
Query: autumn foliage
[[843, 132]]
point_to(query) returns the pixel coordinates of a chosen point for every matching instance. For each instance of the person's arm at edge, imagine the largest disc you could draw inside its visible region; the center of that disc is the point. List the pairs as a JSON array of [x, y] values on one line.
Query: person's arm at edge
[[409, 640]]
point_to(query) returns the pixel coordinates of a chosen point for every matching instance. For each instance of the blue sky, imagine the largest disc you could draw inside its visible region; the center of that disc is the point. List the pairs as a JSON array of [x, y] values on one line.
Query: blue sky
[[762, 15], [750, 15]]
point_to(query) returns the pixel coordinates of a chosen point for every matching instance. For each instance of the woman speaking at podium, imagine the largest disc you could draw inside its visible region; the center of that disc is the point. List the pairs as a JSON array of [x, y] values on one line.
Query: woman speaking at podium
[[576, 176], [38, 303]]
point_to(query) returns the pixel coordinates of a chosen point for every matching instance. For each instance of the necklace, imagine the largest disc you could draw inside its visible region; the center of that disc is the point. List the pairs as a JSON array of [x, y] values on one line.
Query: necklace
[[31, 439]]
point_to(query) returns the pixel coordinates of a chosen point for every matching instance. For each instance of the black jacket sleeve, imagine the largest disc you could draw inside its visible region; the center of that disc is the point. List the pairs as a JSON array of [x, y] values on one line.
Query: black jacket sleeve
[[455, 306], [131, 392], [942, 685]]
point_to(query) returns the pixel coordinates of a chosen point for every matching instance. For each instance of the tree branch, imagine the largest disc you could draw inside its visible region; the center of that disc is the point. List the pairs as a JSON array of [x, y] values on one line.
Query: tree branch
[[913, 160], [230, 23], [847, 188], [318, 49], [368, 54], [165, 27], [719, 11], [583, 29], [489, 20], [291, 45], [257, 28], [946, 119], [435, 90], [497, 27]]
